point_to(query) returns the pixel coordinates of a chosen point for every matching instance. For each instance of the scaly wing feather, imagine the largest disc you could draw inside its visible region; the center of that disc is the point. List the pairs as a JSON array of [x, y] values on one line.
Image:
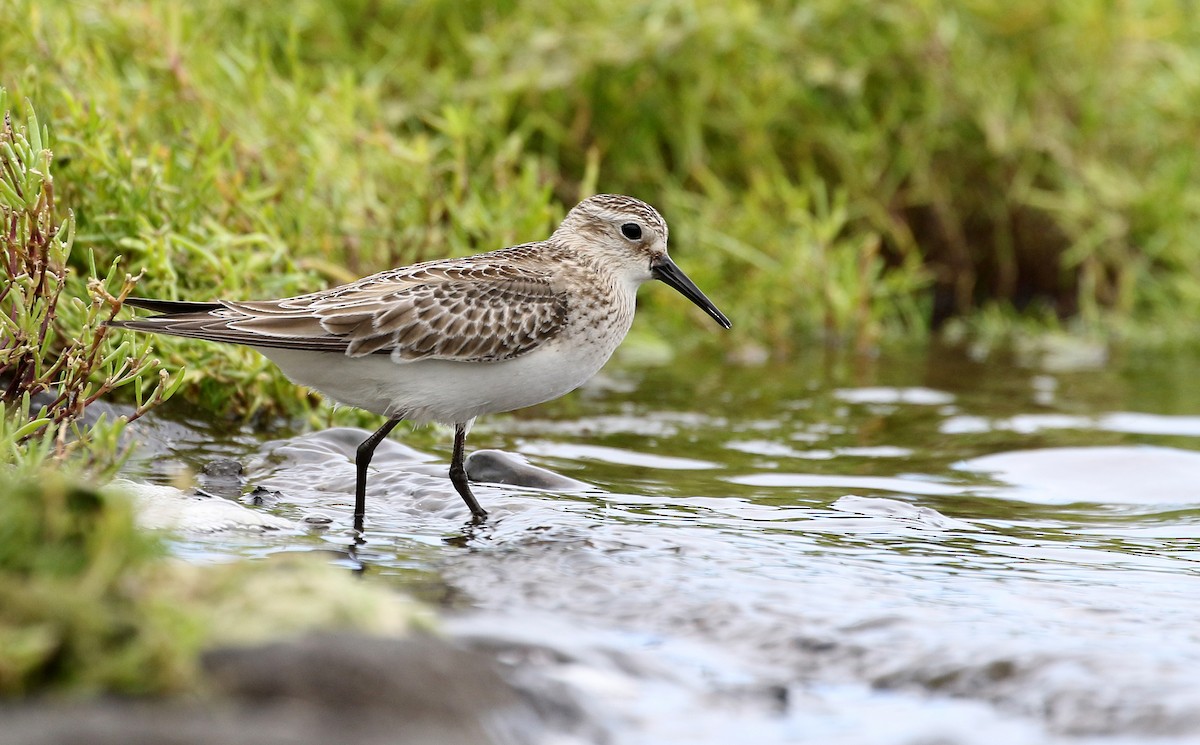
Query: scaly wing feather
[[470, 311]]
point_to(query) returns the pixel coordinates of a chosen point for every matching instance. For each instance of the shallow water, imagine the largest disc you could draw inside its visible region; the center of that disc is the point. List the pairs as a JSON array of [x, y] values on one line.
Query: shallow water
[[909, 549]]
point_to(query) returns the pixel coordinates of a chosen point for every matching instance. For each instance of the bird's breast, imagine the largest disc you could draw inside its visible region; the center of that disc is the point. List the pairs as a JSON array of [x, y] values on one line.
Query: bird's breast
[[599, 317]]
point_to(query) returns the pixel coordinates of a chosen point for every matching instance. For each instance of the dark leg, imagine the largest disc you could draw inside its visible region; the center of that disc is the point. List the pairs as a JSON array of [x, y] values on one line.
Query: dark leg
[[362, 459], [458, 474]]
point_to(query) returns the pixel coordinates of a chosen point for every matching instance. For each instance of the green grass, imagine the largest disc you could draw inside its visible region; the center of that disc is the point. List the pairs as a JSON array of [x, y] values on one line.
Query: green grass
[[56, 356], [849, 171], [852, 173]]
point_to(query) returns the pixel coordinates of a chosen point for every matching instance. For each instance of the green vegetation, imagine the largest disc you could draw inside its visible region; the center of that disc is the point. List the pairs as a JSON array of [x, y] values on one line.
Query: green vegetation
[[89, 604], [75, 610], [847, 171], [55, 359]]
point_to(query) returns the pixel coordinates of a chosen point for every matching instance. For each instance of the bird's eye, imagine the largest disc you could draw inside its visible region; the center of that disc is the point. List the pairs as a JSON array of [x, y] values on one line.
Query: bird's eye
[[632, 231]]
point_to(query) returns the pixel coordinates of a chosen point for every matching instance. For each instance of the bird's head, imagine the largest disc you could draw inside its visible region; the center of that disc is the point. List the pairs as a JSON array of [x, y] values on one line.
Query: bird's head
[[629, 238]]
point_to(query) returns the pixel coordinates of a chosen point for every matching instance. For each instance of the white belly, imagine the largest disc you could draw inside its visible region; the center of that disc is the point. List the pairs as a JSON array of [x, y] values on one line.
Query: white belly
[[443, 391]]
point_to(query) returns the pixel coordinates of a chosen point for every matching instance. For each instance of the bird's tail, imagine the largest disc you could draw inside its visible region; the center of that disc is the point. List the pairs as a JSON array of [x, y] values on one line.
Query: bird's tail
[[170, 310], [170, 307]]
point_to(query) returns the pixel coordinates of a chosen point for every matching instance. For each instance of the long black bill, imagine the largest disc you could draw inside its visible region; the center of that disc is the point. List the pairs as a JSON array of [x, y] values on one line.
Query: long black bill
[[666, 271]]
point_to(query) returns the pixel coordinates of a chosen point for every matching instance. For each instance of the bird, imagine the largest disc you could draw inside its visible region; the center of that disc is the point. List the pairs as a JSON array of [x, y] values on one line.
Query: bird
[[450, 340]]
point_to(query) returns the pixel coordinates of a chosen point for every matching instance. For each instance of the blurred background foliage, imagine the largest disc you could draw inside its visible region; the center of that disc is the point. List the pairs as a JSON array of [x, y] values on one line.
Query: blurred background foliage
[[842, 171]]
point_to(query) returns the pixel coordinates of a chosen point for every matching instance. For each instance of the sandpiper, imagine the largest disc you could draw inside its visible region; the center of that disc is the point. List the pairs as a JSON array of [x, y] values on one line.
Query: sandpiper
[[452, 339]]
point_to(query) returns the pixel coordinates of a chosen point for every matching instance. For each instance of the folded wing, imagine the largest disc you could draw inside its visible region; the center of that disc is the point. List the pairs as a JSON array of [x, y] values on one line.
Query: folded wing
[[477, 312]]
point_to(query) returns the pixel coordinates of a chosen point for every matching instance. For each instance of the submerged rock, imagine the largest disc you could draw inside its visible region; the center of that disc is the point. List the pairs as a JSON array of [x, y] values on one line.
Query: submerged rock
[[222, 477], [499, 467]]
